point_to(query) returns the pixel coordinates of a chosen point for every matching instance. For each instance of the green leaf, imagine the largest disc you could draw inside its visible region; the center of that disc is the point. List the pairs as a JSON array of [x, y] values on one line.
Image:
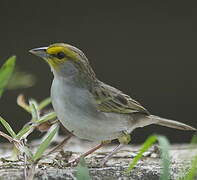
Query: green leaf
[[27, 151], [165, 147], [6, 73], [23, 131], [47, 117], [34, 110], [7, 127], [28, 128], [147, 144], [44, 103], [193, 170], [44, 145], [82, 172]]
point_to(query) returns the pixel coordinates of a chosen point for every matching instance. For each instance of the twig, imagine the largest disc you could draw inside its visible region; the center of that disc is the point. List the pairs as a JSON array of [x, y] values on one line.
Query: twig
[[25, 166], [9, 138], [31, 172], [60, 145]]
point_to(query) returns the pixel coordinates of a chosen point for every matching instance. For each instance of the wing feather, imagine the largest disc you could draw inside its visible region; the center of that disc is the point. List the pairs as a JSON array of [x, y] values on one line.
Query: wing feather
[[110, 99]]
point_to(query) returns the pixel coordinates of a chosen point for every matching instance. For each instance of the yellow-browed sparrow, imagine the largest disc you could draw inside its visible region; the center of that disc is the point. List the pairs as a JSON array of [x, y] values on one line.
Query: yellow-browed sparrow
[[89, 108]]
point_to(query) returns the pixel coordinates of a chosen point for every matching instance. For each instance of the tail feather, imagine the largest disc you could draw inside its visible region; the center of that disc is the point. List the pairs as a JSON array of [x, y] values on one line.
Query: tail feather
[[171, 123]]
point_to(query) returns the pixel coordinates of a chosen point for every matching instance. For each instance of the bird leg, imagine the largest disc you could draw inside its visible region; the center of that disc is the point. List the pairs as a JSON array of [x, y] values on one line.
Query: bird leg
[[76, 160], [124, 138], [60, 145], [115, 150]]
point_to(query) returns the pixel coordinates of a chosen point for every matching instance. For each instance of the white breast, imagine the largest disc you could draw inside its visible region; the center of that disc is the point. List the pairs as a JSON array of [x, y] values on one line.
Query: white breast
[[76, 110]]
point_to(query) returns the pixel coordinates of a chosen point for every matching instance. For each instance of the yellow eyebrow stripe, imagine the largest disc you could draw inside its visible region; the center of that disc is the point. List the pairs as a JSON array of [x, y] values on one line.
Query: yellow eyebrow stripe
[[55, 50], [66, 50]]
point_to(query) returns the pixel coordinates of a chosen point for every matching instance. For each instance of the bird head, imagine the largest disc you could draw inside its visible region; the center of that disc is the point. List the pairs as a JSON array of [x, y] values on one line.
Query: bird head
[[65, 60]]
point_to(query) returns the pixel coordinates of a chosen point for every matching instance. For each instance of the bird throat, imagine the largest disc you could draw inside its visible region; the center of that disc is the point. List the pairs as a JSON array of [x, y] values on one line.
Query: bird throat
[[76, 74]]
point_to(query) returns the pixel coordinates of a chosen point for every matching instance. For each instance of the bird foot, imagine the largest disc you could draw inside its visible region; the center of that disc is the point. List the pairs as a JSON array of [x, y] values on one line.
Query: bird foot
[[103, 162], [73, 162]]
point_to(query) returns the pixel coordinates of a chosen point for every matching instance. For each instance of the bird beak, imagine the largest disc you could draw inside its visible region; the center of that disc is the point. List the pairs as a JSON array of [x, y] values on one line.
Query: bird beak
[[40, 52]]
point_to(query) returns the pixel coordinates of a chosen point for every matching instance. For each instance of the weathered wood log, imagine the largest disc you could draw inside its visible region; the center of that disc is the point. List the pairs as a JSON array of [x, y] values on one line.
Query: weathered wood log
[[54, 166]]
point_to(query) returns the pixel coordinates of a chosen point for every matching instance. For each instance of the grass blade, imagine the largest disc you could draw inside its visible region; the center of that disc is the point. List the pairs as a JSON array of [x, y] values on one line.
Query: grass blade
[[165, 147], [6, 73], [44, 103], [44, 145], [7, 127], [46, 117], [82, 172], [192, 173], [26, 130], [34, 110], [27, 151], [147, 144]]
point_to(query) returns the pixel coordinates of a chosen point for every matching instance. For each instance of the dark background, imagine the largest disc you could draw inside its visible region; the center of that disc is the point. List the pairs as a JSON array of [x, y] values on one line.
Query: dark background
[[146, 49]]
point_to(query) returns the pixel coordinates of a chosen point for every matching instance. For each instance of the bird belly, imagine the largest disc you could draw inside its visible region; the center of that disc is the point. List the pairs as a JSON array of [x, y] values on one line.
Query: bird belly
[[78, 114]]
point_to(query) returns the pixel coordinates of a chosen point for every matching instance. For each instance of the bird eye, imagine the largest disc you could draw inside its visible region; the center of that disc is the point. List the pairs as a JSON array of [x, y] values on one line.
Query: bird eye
[[60, 55]]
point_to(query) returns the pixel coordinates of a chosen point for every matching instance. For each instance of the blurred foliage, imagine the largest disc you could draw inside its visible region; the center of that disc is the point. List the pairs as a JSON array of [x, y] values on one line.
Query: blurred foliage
[[20, 139], [147, 144], [164, 146], [166, 163], [192, 173], [82, 172], [13, 78], [20, 79], [46, 142], [6, 72]]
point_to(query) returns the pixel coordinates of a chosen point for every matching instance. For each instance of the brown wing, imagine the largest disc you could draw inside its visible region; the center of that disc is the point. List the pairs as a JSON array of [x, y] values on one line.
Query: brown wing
[[110, 99]]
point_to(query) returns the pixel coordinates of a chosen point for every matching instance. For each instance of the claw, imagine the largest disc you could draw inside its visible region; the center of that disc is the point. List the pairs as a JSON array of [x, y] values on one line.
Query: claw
[[74, 162]]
